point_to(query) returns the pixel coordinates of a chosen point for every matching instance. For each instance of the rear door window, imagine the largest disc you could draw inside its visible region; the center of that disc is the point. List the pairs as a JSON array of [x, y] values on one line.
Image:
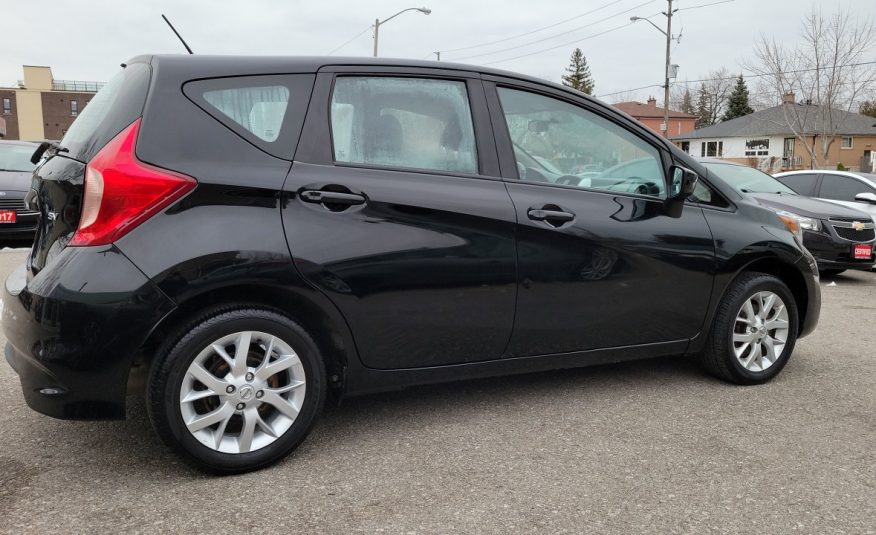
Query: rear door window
[[403, 122], [803, 183], [268, 111], [842, 188]]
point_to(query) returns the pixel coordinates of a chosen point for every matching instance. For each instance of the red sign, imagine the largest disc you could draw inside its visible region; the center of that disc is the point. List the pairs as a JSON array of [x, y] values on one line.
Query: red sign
[[862, 251]]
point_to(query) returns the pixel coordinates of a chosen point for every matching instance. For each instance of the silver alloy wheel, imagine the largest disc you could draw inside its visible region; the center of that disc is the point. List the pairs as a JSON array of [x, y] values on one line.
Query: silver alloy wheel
[[242, 392], [760, 331]]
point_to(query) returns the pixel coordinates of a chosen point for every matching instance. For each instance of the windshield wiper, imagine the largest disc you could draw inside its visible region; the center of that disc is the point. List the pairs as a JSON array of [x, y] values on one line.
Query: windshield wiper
[[44, 146]]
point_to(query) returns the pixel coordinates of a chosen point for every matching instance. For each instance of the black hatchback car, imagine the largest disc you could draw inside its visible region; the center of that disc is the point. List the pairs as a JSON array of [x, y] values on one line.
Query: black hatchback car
[[252, 234]]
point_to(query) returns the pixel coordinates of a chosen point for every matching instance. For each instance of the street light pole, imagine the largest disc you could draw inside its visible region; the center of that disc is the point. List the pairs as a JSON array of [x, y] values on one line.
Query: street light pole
[[668, 34], [378, 22], [666, 77]]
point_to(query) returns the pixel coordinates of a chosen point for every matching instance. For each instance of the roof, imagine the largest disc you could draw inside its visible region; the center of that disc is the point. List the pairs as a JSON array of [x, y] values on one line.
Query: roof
[[774, 122], [641, 110]]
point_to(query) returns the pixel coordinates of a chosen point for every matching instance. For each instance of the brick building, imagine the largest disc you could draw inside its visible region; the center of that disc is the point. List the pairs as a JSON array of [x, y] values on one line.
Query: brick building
[[40, 107], [651, 115]]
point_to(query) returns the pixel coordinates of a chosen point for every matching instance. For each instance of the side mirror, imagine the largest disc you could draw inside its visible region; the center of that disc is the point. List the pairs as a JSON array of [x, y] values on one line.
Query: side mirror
[[683, 182], [866, 197]]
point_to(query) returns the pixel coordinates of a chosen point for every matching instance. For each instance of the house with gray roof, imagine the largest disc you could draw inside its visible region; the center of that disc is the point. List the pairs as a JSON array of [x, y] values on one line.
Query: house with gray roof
[[772, 139]]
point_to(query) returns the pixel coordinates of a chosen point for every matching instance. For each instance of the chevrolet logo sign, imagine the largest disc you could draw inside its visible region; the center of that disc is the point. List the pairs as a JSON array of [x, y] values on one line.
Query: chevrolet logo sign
[[857, 225]]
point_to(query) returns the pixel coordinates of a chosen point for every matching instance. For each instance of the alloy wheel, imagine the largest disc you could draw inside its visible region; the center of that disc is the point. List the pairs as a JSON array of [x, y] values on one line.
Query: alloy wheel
[[760, 331], [242, 392]]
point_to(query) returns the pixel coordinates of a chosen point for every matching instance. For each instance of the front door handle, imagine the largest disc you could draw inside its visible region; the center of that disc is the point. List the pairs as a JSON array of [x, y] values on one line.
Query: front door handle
[[552, 217], [331, 197]]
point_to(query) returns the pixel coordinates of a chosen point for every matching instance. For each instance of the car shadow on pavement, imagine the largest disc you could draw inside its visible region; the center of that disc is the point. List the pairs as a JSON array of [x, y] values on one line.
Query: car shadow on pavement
[[131, 448]]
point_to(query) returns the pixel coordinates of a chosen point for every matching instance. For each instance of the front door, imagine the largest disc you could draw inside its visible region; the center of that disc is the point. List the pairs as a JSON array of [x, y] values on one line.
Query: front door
[[395, 211], [601, 263]]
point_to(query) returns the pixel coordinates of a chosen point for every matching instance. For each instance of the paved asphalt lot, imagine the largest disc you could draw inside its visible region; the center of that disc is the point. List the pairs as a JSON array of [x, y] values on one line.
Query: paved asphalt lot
[[647, 447]]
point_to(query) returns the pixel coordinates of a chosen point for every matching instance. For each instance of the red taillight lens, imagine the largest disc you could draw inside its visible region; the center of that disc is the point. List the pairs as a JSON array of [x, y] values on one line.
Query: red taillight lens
[[121, 192]]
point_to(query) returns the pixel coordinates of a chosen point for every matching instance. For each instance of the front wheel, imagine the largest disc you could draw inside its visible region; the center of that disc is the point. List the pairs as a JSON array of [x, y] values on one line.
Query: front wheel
[[238, 390], [754, 332]]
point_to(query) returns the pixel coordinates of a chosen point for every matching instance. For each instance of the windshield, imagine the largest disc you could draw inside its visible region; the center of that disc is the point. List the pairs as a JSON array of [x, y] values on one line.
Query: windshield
[[16, 157], [748, 179]]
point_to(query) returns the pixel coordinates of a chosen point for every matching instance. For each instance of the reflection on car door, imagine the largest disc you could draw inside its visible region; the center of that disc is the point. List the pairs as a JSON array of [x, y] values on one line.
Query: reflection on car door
[[400, 218], [601, 264], [842, 189]]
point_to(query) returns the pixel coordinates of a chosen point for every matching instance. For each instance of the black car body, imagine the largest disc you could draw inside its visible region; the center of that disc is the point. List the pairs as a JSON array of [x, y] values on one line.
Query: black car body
[[427, 259], [16, 170], [833, 233]]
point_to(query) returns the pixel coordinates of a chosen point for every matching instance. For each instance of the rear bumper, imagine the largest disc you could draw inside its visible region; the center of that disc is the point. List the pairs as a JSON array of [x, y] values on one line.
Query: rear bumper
[[74, 328]]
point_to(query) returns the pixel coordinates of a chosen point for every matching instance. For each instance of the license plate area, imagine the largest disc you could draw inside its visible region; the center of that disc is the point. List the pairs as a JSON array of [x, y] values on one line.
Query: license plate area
[[7, 216], [862, 251]]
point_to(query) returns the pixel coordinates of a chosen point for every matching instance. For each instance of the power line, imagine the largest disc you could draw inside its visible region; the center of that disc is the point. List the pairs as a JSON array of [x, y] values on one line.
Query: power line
[[554, 36], [744, 75], [533, 31], [704, 5], [560, 45], [348, 42]]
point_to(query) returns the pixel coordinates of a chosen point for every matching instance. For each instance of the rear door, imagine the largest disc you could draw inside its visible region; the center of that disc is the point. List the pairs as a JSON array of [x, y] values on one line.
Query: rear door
[[395, 210], [601, 264]]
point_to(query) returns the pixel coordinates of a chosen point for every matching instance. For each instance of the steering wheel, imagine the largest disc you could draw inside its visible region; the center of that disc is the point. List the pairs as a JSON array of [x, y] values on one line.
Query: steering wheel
[[648, 188], [568, 180]]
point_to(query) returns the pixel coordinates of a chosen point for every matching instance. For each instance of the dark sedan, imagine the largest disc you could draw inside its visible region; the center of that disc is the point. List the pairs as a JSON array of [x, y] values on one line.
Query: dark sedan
[[15, 176], [839, 237]]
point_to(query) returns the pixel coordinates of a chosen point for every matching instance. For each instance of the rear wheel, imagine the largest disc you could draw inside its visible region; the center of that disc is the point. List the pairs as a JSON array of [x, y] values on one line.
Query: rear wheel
[[238, 390], [754, 332]]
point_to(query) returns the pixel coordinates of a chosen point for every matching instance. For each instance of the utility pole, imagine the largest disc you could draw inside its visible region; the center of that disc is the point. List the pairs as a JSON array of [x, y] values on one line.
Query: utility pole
[[376, 33], [665, 78], [438, 55]]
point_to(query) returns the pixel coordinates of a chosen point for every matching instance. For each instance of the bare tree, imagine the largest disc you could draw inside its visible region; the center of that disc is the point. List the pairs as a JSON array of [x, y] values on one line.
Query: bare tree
[[713, 92], [825, 71]]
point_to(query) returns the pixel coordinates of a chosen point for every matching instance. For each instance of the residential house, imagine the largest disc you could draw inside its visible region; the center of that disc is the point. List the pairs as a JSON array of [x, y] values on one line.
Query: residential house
[[652, 116], [765, 140]]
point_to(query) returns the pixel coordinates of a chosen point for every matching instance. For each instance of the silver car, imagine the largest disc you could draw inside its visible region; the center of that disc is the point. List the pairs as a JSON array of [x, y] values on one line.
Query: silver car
[[855, 190]]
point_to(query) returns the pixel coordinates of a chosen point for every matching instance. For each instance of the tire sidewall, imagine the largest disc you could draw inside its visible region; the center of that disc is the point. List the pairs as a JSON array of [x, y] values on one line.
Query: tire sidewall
[[760, 284], [172, 370]]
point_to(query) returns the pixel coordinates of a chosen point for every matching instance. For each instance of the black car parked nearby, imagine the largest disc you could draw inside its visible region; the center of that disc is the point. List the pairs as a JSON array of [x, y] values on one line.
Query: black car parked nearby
[[254, 233], [839, 238], [16, 221]]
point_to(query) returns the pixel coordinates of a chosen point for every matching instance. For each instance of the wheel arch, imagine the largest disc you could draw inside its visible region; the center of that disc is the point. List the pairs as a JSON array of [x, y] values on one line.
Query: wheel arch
[[315, 314]]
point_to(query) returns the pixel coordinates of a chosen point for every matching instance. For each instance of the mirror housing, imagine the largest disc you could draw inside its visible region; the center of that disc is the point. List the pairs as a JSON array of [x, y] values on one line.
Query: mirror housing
[[866, 197], [682, 183]]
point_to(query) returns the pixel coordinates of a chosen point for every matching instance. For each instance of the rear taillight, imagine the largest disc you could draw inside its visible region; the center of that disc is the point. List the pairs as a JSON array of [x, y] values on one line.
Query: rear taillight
[[121, 192]]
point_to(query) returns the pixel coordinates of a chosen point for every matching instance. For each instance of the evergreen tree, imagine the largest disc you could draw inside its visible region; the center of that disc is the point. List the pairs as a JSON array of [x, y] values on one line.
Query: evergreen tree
[[578, 76], [687, 105], [737, 105], [868, 107], [703, 111]]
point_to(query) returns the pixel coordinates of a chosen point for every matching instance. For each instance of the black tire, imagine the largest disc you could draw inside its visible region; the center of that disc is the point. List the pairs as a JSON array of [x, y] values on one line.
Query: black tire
[[173, 358], [830, 272], [718, 357]]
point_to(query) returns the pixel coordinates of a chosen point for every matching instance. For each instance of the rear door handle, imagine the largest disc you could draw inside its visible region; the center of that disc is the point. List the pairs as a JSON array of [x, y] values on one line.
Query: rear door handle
[[550, 216], [331, 197]]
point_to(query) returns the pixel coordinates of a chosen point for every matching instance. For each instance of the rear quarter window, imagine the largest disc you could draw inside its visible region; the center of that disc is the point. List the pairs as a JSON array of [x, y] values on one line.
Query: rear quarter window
[[268, 111]]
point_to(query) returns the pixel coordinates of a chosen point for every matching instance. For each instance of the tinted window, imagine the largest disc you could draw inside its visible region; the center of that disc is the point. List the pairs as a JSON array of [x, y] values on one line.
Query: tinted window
[[113, 108], [804, 183], [268, 111], [403, 122], [557, 142], [842, 188]]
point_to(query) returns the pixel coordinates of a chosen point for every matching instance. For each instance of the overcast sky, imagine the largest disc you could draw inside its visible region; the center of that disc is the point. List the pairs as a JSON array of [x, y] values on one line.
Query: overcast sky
[[87, 39]]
